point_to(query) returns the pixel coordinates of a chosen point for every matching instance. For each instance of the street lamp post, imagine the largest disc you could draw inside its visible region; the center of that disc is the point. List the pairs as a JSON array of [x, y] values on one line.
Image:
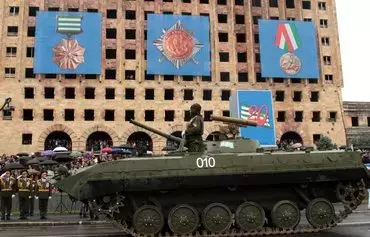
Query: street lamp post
[[7, 109]]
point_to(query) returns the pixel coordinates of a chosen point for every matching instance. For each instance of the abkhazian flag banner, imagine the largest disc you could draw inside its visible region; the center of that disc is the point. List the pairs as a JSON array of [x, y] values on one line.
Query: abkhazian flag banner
[[287, 37], [245, 114], [69, 24]]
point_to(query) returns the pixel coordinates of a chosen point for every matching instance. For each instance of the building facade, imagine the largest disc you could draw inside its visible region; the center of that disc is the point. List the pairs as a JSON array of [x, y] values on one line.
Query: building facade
[[81, 110], [357, 121]]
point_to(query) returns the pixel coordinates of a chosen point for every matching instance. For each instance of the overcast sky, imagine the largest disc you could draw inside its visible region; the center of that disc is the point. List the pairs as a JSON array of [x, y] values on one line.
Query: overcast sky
[[354, 36]]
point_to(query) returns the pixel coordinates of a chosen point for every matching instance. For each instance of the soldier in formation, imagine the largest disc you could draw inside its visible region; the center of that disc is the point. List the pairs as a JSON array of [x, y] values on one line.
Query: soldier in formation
[[7, 193], [194, 130], [24, 186], [43, 194]]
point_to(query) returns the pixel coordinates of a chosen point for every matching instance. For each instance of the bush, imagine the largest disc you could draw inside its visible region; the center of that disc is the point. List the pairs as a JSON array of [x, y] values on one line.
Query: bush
[[325, 143]]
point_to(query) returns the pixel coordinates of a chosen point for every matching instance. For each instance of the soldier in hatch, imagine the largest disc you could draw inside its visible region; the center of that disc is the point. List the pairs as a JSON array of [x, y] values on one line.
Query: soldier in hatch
[[194, 130], [7, 192]]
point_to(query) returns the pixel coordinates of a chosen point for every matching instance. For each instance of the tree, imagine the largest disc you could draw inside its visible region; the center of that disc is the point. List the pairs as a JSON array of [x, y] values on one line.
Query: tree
[[325, 143]]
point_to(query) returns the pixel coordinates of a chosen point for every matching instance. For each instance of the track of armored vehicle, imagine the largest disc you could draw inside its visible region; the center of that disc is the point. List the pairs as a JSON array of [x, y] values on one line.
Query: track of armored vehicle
[[224, 191]]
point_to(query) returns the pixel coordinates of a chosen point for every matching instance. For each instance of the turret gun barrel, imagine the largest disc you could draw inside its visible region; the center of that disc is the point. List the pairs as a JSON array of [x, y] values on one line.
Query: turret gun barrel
[[153, 130], [235, 121]]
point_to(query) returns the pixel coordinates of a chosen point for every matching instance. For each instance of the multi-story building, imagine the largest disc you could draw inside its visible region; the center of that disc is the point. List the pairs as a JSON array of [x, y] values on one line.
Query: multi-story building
[[76, 110], [357, 121]]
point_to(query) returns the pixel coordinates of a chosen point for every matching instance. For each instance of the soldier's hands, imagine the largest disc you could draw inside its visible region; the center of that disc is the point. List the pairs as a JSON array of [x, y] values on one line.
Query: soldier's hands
[[29, 197], [36, 197], [13, 196], [49, 197]]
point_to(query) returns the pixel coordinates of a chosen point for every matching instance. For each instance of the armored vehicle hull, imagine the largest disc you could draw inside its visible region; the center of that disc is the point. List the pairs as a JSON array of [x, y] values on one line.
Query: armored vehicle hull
[[231, 194]]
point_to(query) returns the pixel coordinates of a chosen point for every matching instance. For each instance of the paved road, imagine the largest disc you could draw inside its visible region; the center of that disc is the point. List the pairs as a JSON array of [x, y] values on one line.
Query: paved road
[[357, 225]]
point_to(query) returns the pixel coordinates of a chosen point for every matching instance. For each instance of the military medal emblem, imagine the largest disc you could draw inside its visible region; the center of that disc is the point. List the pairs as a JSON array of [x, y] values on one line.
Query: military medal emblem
[[287, 39], [68, 53], [177, 45]]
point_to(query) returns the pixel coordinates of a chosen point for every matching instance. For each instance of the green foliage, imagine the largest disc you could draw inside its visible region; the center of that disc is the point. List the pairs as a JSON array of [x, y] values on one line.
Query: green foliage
[[325, 143]]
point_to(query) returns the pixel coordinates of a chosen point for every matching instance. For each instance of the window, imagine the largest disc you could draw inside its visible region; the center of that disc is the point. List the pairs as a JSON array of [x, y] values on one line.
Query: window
[[89, 115], [354, 121], [322, 6], [29, 93], [130, 54], [89, 93], [256, 3], [9, 72], [273, 3], [298, 116], [169, 115], [306, 5], [111, 13], [323, 23], [13, 11], [207, 94], [69, 114], [29, 73], [187, 78], [333, 116], [69, 93], [48, 115], [149, 115], [223, 37], [237, 2], [49, 92], [129, 114], [289, 3], [224, 57], [110, 74], [206, 78], [239, 19], [316, 116], [168, 78], [129, 93], [149, 94], [109, 115], [111, 33], [325, 41], [12, 31], [297, 96], [281, 116], [242, 57], [207, 115], [307, 19], [225, 95], [259, 78], [27, 114], [168, 94], [109, 93], [130, 15], [242, 76], [187, 115], [240, 38], [31, 31], [110, 53], [224, 76], [26, 139], [329, 78], [226, 113], [279, 96], [130, 34], [316, 137], [30, 52], [32, 11], [255, 19], [222, 18], [11, 51], [314, 96], [130, 74], [327, 60], [188, 94]]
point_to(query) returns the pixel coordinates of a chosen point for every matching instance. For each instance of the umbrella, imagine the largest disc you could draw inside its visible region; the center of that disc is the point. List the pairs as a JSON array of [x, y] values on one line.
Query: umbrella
[[88, 155], [34, 161], [22, 154], [48, 153], [121, 151], [14, 166], [76, 153], [107, 149], [63, 158], [49, 162], [24, 159], [41, 158], [59, 149]]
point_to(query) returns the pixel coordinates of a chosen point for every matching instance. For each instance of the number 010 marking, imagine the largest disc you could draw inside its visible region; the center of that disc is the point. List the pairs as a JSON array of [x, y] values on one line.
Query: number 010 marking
[[206, 162]]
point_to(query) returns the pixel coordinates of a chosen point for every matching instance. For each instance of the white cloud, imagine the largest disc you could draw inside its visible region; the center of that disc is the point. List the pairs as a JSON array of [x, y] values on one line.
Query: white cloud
[[354, 36]]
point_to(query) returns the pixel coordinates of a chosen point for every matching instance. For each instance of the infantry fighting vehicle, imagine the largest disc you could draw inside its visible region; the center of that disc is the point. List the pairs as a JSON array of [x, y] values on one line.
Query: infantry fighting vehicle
[[234, 188]]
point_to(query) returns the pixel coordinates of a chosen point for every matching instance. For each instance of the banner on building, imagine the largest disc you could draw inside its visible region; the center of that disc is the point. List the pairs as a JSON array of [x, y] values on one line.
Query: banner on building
[[255, 105], [178, 45], [68, 43], [288, 49]]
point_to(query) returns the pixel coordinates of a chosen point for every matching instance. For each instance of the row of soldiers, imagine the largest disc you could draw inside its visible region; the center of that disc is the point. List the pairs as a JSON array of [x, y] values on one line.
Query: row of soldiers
[[27, 190]]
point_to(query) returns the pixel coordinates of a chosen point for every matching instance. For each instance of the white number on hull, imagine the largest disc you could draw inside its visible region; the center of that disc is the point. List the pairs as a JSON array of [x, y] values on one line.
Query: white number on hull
[[206, 162]]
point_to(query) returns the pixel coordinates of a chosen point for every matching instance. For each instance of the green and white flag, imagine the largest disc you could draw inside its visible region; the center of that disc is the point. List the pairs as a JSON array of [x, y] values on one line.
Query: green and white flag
[[69, 24]]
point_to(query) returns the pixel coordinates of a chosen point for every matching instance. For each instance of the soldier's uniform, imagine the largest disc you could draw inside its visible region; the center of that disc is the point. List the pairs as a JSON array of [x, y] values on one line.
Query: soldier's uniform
[[24, 194], [43, 194], [194, 130], [7, 192], [32, 199]]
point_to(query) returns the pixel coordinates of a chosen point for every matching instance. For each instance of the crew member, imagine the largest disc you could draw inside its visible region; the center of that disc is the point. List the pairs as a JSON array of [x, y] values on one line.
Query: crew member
[[194, 130], [24, 194], [43, 194], [7, 192]]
